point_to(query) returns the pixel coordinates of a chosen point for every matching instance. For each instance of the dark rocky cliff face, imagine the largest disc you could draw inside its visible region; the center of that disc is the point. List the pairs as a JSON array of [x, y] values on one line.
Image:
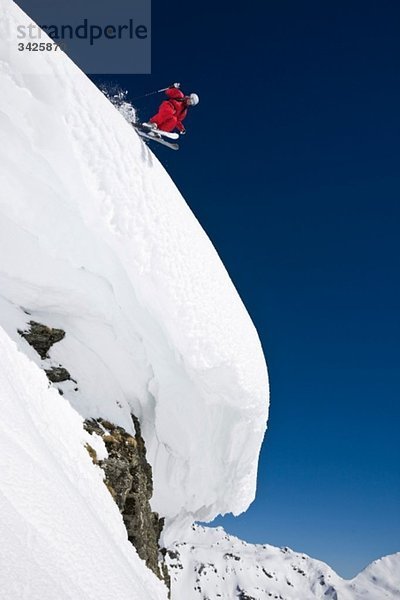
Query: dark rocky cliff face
[[42, 338], [128, 475]]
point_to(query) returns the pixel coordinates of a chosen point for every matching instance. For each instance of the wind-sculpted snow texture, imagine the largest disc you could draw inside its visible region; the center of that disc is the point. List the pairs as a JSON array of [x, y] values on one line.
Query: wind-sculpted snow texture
[[95, 239], [213, 565], [62, 537]]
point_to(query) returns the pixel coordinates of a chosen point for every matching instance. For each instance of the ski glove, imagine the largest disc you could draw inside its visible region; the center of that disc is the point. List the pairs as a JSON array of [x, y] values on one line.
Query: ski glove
[[176, 85], [183, 132]]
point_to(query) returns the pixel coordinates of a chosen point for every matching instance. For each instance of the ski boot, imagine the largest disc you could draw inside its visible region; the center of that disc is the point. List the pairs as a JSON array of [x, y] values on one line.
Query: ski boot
[[152, 129]]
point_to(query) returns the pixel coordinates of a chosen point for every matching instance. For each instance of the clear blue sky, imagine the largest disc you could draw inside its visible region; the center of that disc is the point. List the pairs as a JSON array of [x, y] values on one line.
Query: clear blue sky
[[291, 164]]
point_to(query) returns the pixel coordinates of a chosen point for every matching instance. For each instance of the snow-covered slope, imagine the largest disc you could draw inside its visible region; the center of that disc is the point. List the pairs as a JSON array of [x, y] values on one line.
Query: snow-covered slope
[[62, 536], [96, 239], [215, 566]]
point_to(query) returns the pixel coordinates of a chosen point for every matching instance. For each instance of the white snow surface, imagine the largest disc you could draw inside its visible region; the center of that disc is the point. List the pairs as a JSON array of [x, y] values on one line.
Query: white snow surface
[[214, 565], [96, 239], [62, 536]]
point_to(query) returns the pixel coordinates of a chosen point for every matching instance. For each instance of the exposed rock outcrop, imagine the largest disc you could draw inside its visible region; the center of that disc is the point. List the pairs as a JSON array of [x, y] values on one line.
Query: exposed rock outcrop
[[58, 374], [128, 477], [42, 338]]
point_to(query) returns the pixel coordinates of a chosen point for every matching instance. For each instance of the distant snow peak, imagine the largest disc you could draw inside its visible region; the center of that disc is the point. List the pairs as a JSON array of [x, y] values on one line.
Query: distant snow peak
[[211, 564]]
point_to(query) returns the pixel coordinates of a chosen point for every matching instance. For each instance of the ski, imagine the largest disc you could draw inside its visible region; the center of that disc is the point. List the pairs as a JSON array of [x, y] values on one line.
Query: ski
[[159, 140], [168, 134]]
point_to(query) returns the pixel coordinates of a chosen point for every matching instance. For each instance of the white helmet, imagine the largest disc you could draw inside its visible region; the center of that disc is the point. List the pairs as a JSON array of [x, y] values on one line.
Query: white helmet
[[194, 99]]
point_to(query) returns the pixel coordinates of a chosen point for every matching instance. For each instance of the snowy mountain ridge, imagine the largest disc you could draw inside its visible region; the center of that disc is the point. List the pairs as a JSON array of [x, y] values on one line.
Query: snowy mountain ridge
[[212, 565]]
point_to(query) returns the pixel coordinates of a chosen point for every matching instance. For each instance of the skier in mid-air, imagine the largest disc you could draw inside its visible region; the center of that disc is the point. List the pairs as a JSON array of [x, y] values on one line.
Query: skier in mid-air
[[172, 111]]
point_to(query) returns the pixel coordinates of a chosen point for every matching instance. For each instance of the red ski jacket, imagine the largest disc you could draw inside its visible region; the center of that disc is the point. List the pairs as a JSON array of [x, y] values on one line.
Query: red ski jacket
[[171, 112]]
